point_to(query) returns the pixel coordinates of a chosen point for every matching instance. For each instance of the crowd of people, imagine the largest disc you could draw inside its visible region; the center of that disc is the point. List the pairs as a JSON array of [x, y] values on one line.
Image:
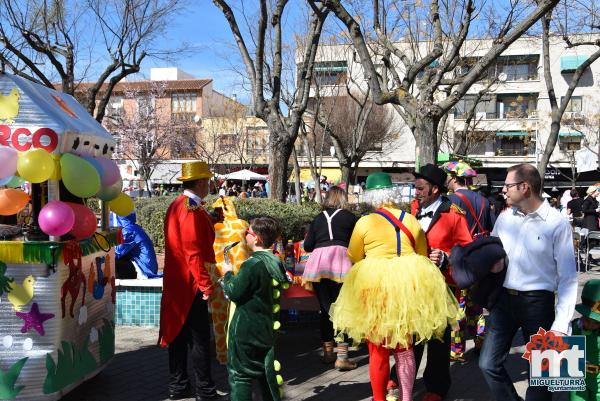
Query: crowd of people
[[399, 281]]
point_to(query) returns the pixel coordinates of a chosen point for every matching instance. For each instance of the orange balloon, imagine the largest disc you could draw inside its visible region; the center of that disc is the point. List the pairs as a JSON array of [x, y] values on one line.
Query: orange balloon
[[12, 201]]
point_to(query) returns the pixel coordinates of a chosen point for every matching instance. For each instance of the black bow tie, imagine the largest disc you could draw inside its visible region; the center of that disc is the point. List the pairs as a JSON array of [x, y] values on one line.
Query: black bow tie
[[426, 214]]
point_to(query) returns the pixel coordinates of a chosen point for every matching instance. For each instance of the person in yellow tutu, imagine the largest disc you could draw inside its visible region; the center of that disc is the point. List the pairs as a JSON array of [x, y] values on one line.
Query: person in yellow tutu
[[393, 294]]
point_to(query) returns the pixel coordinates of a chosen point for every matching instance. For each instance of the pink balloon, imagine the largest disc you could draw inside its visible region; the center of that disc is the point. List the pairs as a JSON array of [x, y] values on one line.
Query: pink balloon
[[85, 221], [8, 161], [110, 171], [56, 218]]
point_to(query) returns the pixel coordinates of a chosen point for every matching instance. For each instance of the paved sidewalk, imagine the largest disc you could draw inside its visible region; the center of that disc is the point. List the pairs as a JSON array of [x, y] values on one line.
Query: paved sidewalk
[[139, 370]]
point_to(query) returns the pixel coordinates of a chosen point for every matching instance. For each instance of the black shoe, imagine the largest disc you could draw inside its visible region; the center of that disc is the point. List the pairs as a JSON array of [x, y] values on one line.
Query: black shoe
[[181, 395]]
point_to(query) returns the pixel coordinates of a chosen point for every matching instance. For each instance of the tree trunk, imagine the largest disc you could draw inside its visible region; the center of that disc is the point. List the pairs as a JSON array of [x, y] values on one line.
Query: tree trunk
[[279, 153], [297, 176], [427, 146], [550, 145], [346, 174]]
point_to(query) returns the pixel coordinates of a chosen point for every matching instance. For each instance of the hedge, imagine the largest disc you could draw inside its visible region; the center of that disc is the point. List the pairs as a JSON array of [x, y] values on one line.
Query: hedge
[[151, 214]]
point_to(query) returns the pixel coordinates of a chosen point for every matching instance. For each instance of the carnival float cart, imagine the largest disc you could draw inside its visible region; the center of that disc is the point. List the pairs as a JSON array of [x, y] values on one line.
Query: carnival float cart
[[57, 272]]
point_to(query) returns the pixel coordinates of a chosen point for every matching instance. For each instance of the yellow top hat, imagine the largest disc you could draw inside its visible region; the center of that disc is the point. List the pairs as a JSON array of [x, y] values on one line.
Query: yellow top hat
[[195, 170]]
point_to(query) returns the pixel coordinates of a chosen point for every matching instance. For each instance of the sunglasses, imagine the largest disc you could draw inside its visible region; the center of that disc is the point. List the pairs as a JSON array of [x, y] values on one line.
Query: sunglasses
[[250, 232]]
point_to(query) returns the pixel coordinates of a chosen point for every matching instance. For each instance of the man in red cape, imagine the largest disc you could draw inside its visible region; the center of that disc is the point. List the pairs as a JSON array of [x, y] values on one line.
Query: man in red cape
[[184, 318]]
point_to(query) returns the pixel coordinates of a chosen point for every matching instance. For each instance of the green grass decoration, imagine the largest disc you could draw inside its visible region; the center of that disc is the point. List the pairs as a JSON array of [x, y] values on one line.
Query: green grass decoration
[[106, 341], [72, 365], [4, 281], [8, 390]]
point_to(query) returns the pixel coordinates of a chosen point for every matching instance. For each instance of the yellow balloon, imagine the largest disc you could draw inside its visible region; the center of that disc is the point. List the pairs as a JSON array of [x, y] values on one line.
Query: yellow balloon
[[122, 205], [35, 165]]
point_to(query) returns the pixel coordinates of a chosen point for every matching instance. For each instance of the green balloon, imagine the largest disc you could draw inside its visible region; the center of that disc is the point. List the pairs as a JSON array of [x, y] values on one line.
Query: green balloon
[[15, 182], [111, 192], [79, 176]]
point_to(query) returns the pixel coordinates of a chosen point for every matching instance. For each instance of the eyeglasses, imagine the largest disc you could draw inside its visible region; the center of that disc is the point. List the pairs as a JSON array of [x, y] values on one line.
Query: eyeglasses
[[512, 184], [249, 231]]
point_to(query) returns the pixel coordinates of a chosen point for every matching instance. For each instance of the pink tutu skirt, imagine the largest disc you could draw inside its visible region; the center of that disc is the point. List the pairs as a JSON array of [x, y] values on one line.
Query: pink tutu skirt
[[330, 262]]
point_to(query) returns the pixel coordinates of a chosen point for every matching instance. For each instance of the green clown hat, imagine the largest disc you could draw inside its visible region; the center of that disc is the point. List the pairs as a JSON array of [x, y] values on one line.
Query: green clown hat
[[379, 181], [590, 300]]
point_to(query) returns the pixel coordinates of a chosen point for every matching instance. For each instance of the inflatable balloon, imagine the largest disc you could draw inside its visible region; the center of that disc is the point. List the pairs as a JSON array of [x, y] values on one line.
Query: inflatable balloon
[[79, 176], [111, 192], [8, 162], [85, 219], [35, 165], [5, 181], [110, 171], [15, 182], [56, 218], [94, 162], [12, 201], [122, 205]]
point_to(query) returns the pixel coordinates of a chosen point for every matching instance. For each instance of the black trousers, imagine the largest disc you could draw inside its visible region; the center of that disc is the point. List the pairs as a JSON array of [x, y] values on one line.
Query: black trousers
[[327, 292], [195, 334], [125, 269], [437, 369]]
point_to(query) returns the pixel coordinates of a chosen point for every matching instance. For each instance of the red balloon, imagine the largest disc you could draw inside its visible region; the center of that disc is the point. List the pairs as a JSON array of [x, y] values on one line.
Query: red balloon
[[85, 221]]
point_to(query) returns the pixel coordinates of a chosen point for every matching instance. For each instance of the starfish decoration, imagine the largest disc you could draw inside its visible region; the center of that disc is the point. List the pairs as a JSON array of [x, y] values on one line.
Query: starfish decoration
[[34, 319]]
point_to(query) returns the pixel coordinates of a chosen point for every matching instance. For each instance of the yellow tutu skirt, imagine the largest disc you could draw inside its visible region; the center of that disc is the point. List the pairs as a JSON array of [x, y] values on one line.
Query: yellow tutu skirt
[[389, 300]]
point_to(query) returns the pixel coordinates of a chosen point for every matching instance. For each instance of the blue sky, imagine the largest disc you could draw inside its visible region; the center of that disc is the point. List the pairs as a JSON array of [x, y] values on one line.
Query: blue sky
[[203, 26]]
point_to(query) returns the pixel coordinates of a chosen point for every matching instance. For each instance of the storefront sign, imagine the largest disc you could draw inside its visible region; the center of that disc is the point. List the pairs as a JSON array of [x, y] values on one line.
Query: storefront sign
[[551, 173]]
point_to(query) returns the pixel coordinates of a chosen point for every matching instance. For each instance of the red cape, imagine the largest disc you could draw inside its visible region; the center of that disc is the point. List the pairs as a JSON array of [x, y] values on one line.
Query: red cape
[[189, 237]]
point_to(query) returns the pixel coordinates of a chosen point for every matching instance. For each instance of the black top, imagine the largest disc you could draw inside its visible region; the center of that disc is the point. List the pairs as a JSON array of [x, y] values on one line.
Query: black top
[[342, 225], [575, 206], [590, 215]]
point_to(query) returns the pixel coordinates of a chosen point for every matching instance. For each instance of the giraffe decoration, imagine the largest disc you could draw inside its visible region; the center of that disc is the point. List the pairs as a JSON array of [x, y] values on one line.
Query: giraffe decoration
[[232, 229]]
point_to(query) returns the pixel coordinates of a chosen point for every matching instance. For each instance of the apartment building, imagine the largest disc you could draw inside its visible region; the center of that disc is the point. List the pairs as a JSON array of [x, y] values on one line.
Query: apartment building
[[204, 123], [512, 120]]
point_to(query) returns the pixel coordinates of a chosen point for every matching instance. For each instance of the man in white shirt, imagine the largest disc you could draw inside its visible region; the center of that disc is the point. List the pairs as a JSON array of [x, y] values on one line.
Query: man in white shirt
[[541, 262]]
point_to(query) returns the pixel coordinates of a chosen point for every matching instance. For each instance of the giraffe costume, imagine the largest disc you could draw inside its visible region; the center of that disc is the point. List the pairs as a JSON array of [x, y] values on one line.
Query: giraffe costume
[[232, 229]]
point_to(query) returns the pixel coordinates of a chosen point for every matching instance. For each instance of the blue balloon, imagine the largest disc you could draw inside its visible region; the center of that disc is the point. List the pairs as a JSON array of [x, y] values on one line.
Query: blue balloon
[[6, 180]]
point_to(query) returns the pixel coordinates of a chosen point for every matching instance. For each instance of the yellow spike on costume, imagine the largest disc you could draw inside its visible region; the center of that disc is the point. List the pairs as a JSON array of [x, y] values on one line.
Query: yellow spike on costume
[[275, 282], [276, 325], [276, 365], [285, 286], [276, 294], [276, 308], [279, 379]]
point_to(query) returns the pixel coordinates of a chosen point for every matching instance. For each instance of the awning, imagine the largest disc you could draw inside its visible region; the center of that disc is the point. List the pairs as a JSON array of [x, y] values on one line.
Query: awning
[[333, 175], [570, 63], [512, 133], [570, 134]]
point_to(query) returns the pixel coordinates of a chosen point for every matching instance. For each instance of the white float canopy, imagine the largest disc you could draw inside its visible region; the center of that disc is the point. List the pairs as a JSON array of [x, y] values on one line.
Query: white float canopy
[[245, 175], [34, 116]]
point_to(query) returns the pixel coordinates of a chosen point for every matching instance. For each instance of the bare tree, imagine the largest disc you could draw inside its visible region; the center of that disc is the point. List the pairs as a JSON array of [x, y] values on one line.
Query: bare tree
[[420, 44], [588, 12], [66, 41], [356, 125], [264, 67], [146, 134]]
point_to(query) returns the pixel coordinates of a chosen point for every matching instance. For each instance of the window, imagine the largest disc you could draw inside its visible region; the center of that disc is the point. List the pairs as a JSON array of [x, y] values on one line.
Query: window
[[483, 110], [575, 104], [516, 106], [227, 140], [185, 145], [183, 103], [330, 72], [517, 145], [516, 68], [114, 107], [570, 141], [145, 105]]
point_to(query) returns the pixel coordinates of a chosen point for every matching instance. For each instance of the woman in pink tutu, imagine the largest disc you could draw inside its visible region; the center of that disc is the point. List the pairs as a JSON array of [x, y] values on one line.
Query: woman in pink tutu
[[327, 266]]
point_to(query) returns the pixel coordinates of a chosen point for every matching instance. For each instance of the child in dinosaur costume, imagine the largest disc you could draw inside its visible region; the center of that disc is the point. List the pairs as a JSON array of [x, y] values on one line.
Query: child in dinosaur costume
[[589, 326], [230, 230], [256, 291]]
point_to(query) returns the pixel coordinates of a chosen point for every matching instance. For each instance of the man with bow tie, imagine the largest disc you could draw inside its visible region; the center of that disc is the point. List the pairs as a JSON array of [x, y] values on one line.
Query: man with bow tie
[[445, 225], [184, 317]]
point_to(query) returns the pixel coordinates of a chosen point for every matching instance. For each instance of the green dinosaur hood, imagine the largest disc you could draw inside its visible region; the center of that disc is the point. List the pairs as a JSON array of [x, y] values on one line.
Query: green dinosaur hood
[[273, 264]]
